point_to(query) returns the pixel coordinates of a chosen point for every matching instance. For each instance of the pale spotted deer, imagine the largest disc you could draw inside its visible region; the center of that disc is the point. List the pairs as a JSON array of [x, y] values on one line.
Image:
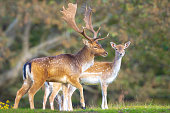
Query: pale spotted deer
[[64, 68], [101, 73]]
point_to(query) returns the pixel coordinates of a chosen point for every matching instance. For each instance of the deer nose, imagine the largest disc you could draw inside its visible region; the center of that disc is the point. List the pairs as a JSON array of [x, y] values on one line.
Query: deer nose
[[106, 53], [121, 54]]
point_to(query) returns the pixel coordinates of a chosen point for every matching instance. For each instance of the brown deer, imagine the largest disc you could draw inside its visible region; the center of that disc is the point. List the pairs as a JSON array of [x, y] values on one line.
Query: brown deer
[[101, 73], [63, 68]]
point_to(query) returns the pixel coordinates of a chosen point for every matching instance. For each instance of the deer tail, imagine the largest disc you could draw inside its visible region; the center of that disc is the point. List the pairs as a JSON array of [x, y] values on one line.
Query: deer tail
[[26, 70]]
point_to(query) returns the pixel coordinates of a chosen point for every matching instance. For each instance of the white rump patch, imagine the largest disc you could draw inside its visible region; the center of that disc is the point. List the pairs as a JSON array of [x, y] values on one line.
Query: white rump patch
[[28, 74]]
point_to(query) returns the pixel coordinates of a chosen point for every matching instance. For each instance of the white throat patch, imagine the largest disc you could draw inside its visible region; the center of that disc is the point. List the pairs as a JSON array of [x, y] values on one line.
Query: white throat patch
[[115, 72]]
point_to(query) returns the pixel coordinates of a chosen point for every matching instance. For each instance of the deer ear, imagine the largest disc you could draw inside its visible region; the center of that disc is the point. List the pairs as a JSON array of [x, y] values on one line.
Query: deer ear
[[127, 44], [113, 44], [86, 42]]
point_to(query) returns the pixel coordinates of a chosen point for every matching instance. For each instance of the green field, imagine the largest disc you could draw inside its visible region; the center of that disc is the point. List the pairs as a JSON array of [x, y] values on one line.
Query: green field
[[115, 109]]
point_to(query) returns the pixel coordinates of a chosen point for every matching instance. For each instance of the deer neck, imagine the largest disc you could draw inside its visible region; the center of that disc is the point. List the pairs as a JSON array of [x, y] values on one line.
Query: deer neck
[[116, 65], [85, 58]]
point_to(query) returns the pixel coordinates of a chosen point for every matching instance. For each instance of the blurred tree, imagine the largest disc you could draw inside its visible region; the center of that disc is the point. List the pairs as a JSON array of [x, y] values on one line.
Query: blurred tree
[[34, 28]]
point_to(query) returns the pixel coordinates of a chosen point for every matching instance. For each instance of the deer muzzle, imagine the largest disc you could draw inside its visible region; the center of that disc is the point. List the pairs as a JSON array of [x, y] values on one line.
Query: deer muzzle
[[105, 54]]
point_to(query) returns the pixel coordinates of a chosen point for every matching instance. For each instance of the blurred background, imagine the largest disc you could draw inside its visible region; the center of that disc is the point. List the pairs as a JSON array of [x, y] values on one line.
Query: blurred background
[[34, 28]]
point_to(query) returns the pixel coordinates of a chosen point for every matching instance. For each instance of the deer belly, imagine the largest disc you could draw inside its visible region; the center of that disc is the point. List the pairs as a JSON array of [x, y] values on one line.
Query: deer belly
[[57, 79], [90, 78]]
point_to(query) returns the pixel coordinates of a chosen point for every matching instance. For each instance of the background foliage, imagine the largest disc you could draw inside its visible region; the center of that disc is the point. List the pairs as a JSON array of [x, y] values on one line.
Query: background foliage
[[34, 28]]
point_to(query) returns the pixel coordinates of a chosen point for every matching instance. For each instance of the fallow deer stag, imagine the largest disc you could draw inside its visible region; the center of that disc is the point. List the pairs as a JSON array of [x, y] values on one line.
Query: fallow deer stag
[[102, 73], [64, 68]]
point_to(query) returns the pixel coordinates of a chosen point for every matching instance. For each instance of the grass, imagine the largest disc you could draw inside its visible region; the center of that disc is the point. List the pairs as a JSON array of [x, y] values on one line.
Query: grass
[[113, 109]]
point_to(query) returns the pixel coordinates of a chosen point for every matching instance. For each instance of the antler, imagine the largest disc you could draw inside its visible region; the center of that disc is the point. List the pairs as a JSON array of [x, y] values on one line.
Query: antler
[[102, 38], [88, 22], [69, 17]]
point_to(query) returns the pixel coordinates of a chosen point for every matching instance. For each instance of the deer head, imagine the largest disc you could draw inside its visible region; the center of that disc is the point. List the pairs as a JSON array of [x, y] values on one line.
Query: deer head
[[120, 49], [91, 43]]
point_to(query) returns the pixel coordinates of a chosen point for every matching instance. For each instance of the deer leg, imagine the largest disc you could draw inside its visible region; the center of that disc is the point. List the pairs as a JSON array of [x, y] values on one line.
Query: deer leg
[[65, 97], [70, 93], [59, 100], [102, 106], [34, 88], [106, 106], [21, 92], [104, 96], [70, 107], [55, 91], [46, 94], [75, 82]]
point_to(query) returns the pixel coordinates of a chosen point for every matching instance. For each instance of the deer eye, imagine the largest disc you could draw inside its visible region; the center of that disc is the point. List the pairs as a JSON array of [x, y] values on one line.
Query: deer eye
[[116, 48], [95, 47]]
